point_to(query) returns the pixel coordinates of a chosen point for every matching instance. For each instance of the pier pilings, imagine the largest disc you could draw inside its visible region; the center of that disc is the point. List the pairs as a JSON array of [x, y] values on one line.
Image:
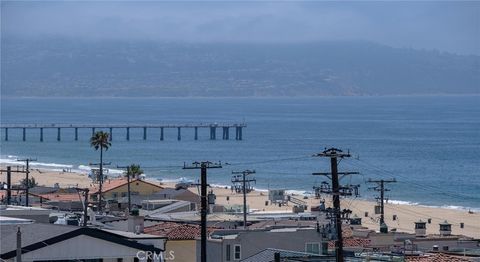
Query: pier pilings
[[212, 127], [213, 132]]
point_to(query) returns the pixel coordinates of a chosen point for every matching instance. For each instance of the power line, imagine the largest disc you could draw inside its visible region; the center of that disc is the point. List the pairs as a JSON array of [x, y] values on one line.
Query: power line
[[244, 190], [203, 166], [336, 191], [27, 172], [381, 188], [387, 174]]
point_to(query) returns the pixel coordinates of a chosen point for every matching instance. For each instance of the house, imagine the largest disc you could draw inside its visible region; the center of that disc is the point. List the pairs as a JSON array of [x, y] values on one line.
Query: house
[[38, 214], [116, 189], [439, 257], [409, 243], [269, 255], [60, 198], [235, 245], [180, 194], [62, 201], [181, 238], [47, 242]]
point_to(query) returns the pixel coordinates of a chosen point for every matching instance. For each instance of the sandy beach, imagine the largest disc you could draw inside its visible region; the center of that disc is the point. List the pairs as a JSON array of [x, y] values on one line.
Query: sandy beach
[[406, 214]]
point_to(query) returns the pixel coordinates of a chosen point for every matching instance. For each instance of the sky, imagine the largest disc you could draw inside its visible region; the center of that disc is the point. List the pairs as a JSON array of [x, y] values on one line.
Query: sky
[[445, 26]]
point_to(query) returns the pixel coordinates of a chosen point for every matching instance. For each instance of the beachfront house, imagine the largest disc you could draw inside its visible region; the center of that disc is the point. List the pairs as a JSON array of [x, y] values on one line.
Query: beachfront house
[[181, 238], [236, 245], [116, 189], [178, 194], [47, 242]]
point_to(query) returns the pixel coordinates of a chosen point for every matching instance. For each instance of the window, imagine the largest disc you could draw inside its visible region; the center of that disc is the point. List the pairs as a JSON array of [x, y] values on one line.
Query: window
[[228, 251], [313, 248], [114, 195], [237, 252], [124, 194]]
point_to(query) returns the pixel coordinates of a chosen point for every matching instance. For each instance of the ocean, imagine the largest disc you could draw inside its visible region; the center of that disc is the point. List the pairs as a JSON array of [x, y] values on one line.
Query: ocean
[[430, 144]]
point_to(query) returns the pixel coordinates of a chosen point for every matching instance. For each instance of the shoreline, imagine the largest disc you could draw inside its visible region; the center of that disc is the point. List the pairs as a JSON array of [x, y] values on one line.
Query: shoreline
[[406, 215], [113, 173]]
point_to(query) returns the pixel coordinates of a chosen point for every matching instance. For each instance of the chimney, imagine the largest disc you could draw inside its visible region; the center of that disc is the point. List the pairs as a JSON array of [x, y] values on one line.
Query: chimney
[[135, 222], [276, 257], [420, 228], [445, 228]]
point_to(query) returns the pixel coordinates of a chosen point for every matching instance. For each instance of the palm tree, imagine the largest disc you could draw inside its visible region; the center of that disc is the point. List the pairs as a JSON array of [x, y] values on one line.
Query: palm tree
[[29, 183], [100, 140], [133, 171]]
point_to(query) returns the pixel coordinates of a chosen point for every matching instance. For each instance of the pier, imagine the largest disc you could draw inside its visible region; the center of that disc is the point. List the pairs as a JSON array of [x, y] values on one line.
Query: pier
[[212, 127]]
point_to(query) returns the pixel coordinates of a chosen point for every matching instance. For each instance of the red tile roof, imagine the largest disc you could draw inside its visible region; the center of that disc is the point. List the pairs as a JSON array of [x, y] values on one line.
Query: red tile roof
[[61, 197], [437, 257], [351, 242], [176, 231]]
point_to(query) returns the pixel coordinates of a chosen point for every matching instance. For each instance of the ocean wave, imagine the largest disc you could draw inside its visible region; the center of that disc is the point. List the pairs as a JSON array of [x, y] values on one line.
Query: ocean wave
[[175, 180], [402, 202], [12, 160], [111, 171], [298, 192], [409, 203]]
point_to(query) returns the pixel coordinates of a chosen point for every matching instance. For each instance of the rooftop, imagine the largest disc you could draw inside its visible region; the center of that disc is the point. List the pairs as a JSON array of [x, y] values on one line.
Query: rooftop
[[176, 231], [118, 182], [437, 257]]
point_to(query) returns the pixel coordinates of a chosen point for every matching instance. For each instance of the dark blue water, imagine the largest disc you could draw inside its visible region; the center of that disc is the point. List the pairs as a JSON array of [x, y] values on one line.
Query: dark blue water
[[430, 144]]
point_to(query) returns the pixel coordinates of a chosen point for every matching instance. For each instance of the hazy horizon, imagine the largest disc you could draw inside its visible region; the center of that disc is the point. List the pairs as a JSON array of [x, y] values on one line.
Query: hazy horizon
[[452, 27]]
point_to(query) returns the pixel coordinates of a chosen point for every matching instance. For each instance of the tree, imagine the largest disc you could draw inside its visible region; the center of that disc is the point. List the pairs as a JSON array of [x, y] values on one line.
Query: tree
[[100, 140], [31, 182], [133, 171]]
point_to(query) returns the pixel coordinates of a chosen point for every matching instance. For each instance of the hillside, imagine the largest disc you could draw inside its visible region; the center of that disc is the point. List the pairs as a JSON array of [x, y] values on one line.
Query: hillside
[[64, 67]]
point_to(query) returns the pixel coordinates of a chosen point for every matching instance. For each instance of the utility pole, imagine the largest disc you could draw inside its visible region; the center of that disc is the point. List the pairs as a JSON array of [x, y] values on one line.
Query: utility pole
[[381, 188], [244, 174], [337, 191], [203, 166], [128, 187], [85, 204], [27, 172], [9, 172], [19, 245], [100, 184], [9, 185]]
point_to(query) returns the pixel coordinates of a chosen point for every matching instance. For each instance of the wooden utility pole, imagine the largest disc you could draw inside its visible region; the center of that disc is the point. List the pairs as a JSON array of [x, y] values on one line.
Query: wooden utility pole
[[85, 204], [128, 187], [9, 185], [336, 191], [244, 180], [381, 188], [9, 172], [19, 245], [27, 172], [203, 166], [100, 181]]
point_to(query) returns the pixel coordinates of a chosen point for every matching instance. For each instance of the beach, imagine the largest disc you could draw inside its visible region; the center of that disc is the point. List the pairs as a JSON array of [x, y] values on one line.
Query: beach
[[406, 215]]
